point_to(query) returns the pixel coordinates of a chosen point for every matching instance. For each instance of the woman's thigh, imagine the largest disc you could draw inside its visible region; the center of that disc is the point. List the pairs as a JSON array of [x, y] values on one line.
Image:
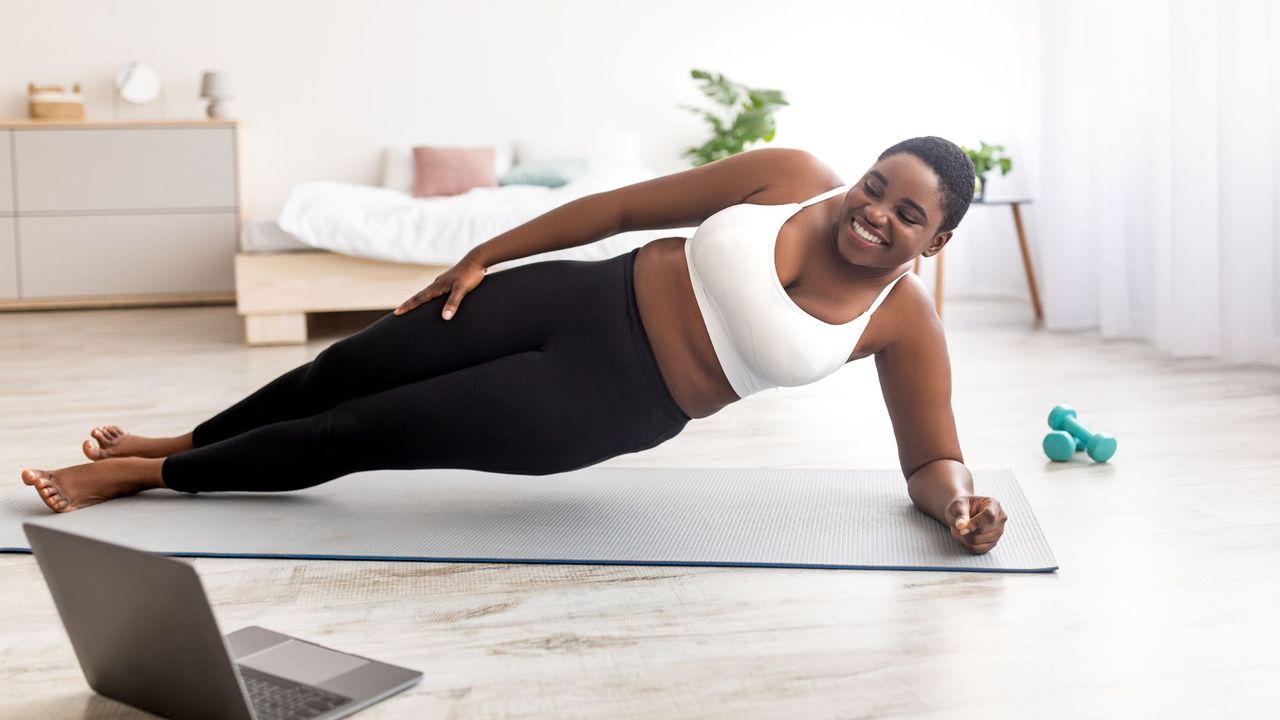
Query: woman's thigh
[[517, 310], [532, 413]]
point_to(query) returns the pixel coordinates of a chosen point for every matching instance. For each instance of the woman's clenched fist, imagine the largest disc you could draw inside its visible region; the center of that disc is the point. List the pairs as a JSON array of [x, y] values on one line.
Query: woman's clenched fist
[[975, 521]]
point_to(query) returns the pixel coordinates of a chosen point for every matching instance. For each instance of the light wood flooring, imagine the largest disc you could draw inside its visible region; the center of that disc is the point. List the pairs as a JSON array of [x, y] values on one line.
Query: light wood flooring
[[1165, 604]]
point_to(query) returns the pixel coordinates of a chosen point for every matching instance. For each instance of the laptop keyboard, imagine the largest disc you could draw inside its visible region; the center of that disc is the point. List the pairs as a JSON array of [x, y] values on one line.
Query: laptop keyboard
[[274, 698]]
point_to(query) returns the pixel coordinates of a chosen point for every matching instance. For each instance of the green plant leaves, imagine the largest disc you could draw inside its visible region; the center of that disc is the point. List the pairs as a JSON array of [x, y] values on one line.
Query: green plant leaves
[[717, 87], [987, 158], [748, 117], [763, 98]]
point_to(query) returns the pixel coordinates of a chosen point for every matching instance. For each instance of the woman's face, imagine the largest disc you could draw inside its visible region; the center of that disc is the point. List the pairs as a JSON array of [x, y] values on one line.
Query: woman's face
[[898, 204]]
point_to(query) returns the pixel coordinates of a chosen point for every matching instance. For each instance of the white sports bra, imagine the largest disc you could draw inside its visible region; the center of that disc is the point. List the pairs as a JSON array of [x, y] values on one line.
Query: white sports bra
[[761, 337]]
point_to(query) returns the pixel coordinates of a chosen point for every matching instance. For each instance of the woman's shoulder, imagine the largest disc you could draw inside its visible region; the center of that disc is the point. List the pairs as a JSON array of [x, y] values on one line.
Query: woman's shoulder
[[795, 176], [906, 318]]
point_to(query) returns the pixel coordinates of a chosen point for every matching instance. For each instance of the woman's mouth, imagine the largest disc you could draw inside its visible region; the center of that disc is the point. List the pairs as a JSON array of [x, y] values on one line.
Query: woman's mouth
[[864, 236]]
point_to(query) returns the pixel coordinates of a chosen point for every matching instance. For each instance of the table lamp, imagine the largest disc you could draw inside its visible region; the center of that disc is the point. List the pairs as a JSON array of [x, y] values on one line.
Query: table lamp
[[215, 88]]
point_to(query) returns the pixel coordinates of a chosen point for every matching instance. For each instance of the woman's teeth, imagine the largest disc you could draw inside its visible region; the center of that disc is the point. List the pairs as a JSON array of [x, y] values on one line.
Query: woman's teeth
[[862, 233]]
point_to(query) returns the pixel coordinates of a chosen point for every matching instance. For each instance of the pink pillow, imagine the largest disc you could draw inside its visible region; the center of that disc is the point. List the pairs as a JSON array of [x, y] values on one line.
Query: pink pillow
[[451, 170]]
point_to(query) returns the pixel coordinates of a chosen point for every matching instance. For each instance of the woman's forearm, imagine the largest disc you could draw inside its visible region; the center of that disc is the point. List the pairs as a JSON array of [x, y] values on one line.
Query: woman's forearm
[[934, 486], [577, 222]]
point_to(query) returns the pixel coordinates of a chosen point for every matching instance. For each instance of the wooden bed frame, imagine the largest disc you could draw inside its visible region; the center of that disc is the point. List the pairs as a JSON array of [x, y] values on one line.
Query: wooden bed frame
[[276, 290]]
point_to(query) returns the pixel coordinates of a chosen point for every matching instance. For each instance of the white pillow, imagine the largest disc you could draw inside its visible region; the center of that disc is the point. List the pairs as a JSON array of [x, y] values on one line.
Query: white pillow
[[397, 163]]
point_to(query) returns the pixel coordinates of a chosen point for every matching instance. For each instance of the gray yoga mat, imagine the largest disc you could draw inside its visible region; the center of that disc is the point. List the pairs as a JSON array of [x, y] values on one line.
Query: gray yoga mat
[[827, 518]]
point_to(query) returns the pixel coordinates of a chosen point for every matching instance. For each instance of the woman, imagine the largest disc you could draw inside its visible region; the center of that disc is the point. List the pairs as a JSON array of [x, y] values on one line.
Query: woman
[[558, 365]]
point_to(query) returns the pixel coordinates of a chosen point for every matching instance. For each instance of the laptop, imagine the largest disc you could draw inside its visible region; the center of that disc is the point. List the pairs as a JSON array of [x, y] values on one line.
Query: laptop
[[145, 635]]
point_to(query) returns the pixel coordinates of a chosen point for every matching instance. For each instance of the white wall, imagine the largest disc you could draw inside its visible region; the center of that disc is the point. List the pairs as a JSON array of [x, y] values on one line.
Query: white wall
[[322, 86]]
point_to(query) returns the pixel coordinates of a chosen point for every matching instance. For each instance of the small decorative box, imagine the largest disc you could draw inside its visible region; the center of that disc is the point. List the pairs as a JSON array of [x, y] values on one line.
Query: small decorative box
[[51, 102]]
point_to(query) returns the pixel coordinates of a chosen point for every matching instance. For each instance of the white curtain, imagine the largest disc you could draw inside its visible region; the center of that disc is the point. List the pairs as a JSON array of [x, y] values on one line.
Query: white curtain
[[1160, 149]]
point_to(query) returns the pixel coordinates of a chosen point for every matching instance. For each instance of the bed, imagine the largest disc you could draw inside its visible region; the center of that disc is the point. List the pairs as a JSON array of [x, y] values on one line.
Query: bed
[[342, 247]]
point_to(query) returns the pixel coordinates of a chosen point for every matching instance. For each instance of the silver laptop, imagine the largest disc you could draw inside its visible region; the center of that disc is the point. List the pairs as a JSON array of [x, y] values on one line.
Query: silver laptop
[[145, 635]]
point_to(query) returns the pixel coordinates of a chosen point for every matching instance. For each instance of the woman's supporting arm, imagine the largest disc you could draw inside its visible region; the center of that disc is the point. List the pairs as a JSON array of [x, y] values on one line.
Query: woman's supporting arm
[[915, 378]]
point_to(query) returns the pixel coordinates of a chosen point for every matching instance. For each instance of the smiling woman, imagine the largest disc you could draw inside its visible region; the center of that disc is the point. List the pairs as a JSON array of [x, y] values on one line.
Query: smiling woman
[[557, 365]]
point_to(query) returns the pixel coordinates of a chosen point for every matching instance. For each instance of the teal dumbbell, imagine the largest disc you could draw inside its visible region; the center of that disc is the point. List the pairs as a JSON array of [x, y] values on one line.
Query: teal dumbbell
[[1061, 445], [1070, 434]]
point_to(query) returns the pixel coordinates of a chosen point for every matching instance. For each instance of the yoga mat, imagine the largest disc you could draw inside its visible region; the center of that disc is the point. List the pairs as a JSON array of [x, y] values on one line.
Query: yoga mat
[[816, 518]]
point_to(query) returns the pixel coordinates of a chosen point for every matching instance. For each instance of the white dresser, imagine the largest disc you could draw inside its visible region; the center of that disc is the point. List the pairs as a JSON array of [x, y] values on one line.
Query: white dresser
[[125, 213]]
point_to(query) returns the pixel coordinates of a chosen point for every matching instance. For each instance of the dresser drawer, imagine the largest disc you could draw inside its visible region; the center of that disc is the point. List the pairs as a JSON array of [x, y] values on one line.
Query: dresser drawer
[[127, 254], [8, 260], [6, 172], [124, 169]]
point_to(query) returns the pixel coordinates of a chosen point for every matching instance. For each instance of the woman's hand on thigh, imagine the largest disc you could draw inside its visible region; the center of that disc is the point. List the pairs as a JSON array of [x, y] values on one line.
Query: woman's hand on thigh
[[457, 281]]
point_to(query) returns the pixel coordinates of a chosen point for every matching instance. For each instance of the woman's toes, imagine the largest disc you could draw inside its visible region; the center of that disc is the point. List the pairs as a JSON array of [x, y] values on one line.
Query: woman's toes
[[43, 482], [107, 434], [53, 499], [106, 443]]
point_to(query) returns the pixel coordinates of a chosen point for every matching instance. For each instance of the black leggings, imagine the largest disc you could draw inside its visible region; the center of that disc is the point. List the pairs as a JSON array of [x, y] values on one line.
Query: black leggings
[[544, 369]]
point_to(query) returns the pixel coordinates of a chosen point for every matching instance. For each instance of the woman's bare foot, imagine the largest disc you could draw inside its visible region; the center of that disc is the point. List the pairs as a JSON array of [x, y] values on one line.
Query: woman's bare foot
[[78, 486], [111, 441]]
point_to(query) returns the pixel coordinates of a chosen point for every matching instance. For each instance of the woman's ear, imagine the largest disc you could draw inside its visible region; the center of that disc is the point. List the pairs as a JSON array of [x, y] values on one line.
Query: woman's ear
[[935, 245]]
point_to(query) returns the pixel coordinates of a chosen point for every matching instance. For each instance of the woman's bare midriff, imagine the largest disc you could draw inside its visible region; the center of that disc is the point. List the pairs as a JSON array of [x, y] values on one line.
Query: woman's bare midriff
[[677, 333]]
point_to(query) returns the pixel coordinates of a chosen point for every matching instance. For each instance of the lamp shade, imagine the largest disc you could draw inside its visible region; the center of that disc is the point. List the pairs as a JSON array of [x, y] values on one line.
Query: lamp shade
[[215, 85]]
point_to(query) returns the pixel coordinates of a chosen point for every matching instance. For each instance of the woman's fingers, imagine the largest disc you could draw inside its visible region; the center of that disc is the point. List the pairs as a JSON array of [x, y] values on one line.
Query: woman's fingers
[[423, 295], [957, 515], [976, 522], [457, 281], [984, 538], [451, 305], [986, 527], [974, 539]]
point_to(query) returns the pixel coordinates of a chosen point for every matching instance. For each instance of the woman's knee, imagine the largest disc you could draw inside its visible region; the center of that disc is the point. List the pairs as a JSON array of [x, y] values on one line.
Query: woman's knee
[[335, 371]]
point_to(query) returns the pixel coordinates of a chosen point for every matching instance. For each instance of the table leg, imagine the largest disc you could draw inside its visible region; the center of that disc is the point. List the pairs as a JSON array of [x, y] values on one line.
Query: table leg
[[1026, 262]]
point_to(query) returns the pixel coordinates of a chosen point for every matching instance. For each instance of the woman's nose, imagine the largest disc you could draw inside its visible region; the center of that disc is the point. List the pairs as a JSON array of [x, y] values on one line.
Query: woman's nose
[[877, 216]]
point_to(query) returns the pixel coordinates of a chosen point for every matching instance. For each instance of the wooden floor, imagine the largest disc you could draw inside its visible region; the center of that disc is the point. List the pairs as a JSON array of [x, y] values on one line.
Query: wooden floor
[[1165, 604]]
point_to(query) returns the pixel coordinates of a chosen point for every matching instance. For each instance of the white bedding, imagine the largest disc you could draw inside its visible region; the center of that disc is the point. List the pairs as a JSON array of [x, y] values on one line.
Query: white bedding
[[386, 224]]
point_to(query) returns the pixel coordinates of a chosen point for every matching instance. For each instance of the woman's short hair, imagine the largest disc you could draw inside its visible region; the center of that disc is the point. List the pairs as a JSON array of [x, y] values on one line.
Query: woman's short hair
[[954, 170]]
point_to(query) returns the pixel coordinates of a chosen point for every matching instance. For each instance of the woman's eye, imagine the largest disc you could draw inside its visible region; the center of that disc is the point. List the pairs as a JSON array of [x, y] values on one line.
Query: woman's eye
[[871, 191], [906, 219]]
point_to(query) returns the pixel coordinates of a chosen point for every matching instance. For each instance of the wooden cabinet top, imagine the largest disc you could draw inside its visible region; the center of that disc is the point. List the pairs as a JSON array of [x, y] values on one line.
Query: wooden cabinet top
[[25, 124]]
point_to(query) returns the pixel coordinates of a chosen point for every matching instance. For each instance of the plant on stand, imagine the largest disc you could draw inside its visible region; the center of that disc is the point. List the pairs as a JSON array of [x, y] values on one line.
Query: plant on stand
[[985, 159], [747, 117]]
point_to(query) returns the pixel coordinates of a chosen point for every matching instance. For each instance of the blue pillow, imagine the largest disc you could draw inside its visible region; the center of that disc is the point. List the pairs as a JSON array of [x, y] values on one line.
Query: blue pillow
[[548, 173]]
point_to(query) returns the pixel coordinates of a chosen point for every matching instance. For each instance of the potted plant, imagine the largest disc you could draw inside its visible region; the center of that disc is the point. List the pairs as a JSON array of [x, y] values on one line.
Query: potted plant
[[985, 159], [748, 117]]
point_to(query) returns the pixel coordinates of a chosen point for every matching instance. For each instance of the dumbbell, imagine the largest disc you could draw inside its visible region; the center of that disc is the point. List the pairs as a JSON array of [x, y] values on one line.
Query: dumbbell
[[1069, 435], [1060, 445]]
